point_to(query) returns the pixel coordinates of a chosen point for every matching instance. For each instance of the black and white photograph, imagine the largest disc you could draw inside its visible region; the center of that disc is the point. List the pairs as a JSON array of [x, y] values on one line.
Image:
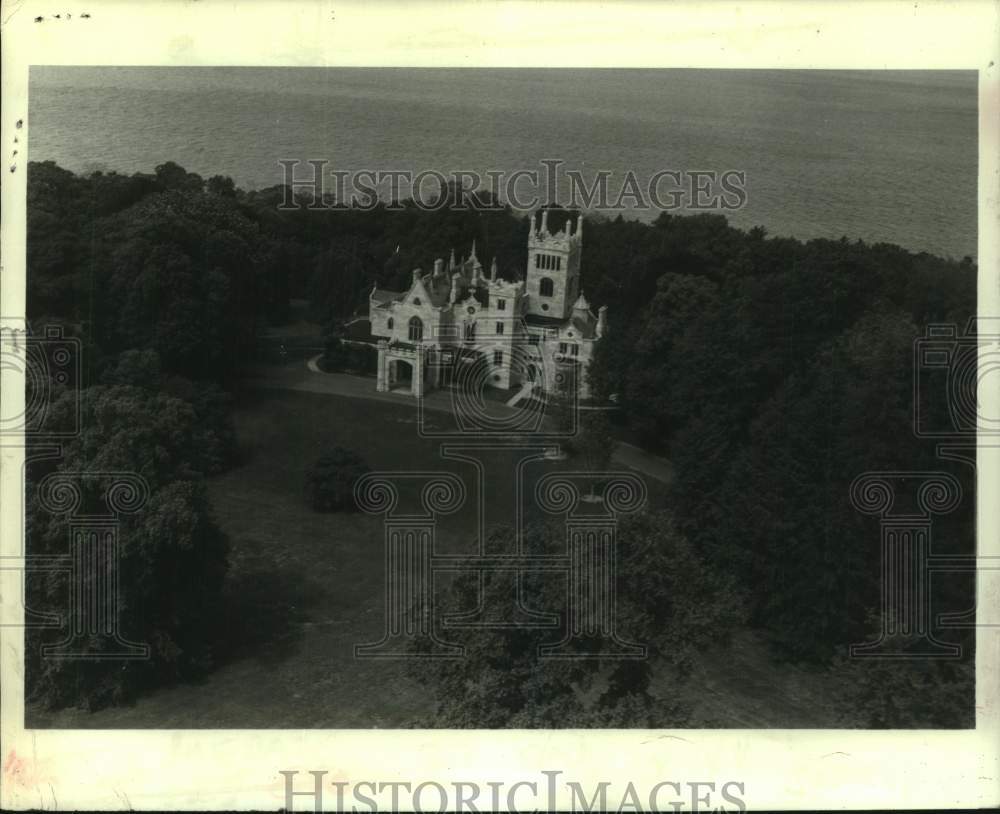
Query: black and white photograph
[[495, 398]]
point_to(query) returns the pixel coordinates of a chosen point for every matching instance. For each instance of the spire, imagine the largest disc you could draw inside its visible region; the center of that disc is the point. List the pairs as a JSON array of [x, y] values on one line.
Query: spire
[[581, 303], [493, 268], [579, 225], [602, 321], [456, 282], [451, 260], [477, 267], [545, 221]]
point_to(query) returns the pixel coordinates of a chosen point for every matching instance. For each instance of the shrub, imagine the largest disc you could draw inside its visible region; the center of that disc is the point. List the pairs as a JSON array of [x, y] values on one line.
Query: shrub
[[335, 355], [330, 480], [363, 358]]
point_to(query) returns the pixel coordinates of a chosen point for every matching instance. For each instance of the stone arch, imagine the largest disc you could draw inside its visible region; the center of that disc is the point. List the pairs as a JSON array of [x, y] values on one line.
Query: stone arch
[[401, 371], [545, 287]]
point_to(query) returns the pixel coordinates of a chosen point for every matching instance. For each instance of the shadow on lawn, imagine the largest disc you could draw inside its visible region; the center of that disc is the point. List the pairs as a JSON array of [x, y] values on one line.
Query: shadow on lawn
[[262, 615]]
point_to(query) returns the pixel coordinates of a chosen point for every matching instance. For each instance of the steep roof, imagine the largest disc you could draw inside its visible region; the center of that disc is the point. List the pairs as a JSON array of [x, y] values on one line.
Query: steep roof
[[582, 319], [384, 296], [438, 288], [584, 325]]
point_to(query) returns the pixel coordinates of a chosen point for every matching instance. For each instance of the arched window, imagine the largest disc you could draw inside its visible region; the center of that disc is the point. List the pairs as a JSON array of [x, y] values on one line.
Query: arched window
[[389, 324], [416, 329], [545, 287], [470, 331]]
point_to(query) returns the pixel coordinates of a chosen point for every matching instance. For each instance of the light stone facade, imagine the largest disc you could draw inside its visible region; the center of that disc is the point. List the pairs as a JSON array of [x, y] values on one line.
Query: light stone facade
[[459, 323]]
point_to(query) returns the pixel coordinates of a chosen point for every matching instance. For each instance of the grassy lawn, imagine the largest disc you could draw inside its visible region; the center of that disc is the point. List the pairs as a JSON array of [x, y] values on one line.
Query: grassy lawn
[[305, 587]]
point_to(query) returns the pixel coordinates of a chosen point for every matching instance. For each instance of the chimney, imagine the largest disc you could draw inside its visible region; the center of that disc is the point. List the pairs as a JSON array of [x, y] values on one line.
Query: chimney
[[579, 225], [438, 267], [602, 321], [456, 281], [451, 260], [416, 275]]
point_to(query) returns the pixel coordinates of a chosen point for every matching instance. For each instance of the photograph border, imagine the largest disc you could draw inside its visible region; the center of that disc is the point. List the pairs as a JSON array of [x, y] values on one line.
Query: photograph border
[[241, 769]]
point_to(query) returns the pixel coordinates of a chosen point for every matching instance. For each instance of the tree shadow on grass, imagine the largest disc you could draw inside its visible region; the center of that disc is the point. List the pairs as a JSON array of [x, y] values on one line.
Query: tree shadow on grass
[[262, 615]]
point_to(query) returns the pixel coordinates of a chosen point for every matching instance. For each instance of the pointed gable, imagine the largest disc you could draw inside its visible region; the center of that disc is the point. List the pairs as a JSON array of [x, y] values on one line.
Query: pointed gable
[[418, 295]]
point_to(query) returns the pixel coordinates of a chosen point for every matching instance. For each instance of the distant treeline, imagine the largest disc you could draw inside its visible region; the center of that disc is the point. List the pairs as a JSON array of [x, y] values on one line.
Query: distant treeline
[[769, 370]]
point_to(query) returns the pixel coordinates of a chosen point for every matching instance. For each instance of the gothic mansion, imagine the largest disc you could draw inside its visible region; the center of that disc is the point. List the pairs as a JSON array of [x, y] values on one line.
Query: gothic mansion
[[536, 333]]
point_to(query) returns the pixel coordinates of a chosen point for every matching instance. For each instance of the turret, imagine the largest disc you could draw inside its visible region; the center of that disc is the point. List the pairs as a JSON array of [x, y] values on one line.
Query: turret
[[553, 277]]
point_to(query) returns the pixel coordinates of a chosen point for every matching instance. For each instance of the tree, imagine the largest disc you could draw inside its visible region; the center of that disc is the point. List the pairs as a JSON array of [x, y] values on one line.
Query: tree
[[173, 557], [667, 599], [221, 185], [330, 480], [170, 175]]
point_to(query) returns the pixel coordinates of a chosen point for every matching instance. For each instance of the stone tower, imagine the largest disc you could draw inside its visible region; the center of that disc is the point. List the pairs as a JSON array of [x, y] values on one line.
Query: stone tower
[[553, 277]]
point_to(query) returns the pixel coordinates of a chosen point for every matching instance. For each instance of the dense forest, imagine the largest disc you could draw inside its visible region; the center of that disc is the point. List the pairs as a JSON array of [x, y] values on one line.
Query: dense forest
[[768, 370]]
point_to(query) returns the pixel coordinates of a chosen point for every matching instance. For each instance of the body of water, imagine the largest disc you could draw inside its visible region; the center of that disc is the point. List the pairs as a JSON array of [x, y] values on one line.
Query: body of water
[[881, 156]]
